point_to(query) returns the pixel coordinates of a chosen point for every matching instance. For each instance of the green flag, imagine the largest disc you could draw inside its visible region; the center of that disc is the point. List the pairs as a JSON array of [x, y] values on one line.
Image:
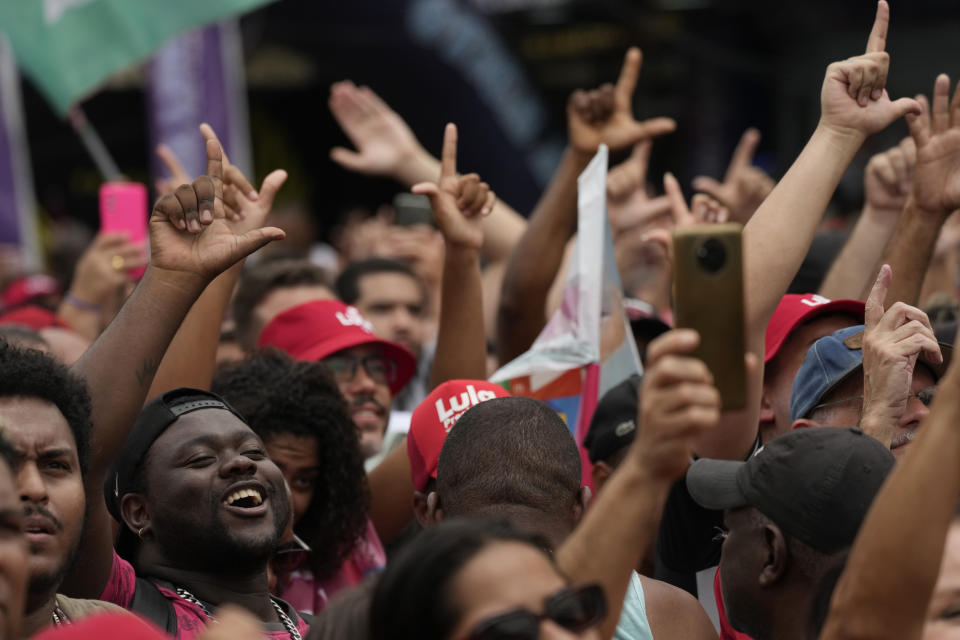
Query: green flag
[[68, 47]]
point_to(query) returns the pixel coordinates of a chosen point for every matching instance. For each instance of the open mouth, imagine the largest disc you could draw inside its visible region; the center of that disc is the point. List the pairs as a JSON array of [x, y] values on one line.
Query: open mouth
[[38, 526], [244, 498]]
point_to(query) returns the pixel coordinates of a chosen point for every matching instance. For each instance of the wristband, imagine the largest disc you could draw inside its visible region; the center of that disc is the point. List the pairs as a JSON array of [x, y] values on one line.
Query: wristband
[[80, 304]]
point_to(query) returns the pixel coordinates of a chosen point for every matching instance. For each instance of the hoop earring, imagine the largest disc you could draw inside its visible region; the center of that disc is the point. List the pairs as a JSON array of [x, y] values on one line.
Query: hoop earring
[[140, 533]]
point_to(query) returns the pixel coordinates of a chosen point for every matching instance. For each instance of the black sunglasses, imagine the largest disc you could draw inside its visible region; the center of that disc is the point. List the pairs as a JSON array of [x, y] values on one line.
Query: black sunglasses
[[573, 609]]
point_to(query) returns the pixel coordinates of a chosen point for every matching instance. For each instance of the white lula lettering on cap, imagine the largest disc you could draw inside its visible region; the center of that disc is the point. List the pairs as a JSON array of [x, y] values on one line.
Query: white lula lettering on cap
[[459, 405], [815, 300], [353, 318]]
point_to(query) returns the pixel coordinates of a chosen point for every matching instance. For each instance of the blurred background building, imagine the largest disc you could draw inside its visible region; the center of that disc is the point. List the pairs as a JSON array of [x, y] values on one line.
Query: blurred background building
[[502, 70]]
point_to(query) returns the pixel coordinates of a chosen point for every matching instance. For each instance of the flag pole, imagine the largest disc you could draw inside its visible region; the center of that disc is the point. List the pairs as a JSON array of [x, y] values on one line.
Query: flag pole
[[94, 144]]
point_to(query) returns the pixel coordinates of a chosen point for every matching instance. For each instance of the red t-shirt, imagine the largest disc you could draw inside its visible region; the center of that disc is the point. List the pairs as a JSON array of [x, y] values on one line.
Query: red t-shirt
[[191, 620]]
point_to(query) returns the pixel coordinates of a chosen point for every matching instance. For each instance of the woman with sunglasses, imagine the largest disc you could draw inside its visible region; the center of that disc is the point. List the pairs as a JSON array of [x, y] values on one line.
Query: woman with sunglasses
[[469, 579]]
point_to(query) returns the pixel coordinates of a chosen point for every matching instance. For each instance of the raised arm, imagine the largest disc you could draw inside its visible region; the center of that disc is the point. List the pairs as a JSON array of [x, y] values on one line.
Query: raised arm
[[603, 116], [459, 204], [386, 146], [854, 105], [890, 575], [190, 360], [679, 403], [887, 182], [936, 192], [191, 244]]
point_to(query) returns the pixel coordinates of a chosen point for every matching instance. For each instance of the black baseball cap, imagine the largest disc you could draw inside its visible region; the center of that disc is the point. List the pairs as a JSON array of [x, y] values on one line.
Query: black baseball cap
[[614, 423], [155, 418], [815, 483]]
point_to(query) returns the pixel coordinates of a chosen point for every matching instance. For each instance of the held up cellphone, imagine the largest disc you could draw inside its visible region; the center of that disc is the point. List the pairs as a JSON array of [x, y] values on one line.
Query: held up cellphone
[[412, 209], [123, 208], [708, 297]]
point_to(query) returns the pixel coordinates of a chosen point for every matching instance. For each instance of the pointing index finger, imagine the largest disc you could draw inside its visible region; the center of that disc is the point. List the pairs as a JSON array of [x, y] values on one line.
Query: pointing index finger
[[627, 82], [878, 35], [448, 162], [873, 311], [743, 154]]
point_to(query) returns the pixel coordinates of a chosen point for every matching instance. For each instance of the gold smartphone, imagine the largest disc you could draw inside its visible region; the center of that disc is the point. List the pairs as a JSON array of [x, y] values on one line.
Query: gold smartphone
[[708, 297]]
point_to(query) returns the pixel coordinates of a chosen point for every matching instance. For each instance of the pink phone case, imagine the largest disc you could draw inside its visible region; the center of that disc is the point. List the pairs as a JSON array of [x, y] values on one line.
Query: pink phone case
[[123, 208]]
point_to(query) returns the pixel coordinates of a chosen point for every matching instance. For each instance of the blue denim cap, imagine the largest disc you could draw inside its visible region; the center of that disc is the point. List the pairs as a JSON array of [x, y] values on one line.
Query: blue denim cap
[[830, 360]]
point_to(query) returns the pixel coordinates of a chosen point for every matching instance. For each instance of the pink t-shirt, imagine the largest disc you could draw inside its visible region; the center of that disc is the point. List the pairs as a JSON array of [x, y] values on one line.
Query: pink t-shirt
[[191, 620], [305, 593]]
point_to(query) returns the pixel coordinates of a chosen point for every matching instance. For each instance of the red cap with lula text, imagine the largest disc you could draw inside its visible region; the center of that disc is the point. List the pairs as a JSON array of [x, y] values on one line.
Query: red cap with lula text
[[315, 330], [435, 416], [795, 310]]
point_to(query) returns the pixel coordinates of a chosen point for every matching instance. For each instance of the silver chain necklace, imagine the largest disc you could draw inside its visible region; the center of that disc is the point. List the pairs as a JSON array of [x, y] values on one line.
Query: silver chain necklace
[[284, 618], [59, 617]]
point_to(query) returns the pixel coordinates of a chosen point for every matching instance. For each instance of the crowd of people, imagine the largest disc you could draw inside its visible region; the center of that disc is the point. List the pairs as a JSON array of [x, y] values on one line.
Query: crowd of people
[[245, 440]]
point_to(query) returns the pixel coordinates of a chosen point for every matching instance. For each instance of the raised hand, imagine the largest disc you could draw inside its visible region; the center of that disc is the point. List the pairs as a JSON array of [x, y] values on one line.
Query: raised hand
[[105, 266], [680, 403], [744, 186], [888, 179], [232, 176], [628, 204], [892, 342], [458, 202], [188, 230], [854, 99], [605, 115], [936, 186], [178, 175], [704, 209], [383, 140], [245, 208]]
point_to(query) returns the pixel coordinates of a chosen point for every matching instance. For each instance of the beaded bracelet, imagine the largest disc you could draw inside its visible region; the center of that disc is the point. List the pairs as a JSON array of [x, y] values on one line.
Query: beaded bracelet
[[80, 304]]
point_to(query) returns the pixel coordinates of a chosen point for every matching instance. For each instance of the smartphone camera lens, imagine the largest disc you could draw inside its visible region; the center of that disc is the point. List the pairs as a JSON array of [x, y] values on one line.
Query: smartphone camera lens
[[711, 255]]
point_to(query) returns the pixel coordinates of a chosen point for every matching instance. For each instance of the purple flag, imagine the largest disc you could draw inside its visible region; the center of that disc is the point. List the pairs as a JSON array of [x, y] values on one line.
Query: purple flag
[[18, 226], [199, 77]]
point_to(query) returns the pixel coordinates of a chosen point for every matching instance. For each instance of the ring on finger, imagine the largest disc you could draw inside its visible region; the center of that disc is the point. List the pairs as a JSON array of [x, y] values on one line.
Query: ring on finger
[[117, 262]]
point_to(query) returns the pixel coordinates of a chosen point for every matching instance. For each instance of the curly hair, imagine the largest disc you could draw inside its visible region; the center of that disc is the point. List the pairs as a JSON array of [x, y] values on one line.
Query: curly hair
[[278, 395], [33, 374]]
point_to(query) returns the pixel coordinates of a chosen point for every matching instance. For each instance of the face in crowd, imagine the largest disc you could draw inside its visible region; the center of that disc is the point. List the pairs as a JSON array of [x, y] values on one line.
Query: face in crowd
[[213, 461], [479, 579], [50, 487], [364, 375], [14, 556], [843, 407], [395, 304], [779, 372]]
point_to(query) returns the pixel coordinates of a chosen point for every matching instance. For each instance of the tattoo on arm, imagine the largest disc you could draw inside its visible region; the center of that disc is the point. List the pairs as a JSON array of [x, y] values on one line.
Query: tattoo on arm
[[148, 368]]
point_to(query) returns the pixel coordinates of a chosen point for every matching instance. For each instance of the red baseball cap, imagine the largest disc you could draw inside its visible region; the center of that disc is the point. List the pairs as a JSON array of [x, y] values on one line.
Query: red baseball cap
[[27, 288], [317, 329], [33, 317], [435, 416], [107, 625], [797, 309]]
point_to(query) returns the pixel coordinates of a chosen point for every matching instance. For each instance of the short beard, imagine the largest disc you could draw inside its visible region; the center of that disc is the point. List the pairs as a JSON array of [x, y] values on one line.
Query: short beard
[[215, 549], [41, 587]]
